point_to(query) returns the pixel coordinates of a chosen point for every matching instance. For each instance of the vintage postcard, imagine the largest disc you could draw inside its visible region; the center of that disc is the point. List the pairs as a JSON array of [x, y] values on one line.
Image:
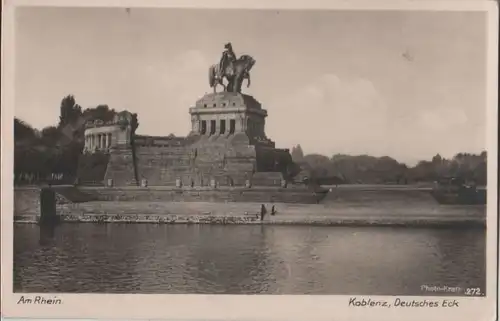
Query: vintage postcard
[[243, 160]]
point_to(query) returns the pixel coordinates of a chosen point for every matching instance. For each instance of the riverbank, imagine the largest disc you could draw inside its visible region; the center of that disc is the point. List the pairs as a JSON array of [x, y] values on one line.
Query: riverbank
[[360, 205], [249, 213]]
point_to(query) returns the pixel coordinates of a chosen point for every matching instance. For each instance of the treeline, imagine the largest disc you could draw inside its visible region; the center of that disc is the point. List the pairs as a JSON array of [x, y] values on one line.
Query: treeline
[[347, 169], [51, 154]]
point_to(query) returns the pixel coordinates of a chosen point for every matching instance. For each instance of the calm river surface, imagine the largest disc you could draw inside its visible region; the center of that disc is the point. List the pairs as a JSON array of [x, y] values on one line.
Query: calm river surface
[[243, 259]]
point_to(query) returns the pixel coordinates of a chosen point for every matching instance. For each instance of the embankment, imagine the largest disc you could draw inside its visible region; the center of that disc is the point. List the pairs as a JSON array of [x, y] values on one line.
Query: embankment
[[378, 195], [300, 195], [381, 208], [27, 203]]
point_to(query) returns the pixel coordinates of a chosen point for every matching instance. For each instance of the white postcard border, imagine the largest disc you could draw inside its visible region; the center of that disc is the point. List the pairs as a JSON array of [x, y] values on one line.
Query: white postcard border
[[242, 307]]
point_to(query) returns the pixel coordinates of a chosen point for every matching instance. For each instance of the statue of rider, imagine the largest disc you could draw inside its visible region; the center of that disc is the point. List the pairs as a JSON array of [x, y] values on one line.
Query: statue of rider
[[228, 57]]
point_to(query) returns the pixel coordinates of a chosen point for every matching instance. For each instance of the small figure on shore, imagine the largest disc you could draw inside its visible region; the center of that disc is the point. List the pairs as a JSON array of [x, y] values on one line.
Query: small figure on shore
[[263, 212], [273, 210]]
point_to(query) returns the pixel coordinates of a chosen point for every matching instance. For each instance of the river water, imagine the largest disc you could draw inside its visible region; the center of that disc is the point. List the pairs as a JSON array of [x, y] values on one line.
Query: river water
[[245, 259]]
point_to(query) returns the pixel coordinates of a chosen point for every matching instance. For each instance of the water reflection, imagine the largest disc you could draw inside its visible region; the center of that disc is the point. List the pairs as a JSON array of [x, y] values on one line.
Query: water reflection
[[136, 258], [47, 234]]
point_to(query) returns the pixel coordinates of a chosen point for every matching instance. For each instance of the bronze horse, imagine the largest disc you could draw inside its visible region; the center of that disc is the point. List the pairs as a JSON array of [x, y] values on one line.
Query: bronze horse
[[234, 72]]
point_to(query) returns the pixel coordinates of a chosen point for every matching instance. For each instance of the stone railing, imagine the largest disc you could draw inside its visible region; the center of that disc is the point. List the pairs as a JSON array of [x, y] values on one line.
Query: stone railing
[[163, 141], [99, 123]]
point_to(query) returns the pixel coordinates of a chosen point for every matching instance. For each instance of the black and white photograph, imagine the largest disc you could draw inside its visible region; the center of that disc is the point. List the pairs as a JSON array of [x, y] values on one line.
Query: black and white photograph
[[252, 151]]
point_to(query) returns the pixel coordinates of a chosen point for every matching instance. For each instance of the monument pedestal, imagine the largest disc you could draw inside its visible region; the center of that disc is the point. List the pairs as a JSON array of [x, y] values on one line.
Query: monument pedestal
[[232, 143]]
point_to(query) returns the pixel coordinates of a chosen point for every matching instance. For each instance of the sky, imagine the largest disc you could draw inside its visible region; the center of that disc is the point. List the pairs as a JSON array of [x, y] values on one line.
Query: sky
[[404, 84]]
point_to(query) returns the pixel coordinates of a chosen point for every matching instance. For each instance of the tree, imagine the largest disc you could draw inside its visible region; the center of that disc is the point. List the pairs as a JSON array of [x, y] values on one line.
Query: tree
[[437, 159], [50, 135], [101, 112], [22, 130], [134, 123], [297, 154], [70, 111]]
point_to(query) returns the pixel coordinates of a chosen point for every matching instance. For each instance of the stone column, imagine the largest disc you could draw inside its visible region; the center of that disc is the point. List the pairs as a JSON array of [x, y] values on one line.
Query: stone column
[[238, 124], [195, 124], [102, 141], [217, 126], [244, 124]]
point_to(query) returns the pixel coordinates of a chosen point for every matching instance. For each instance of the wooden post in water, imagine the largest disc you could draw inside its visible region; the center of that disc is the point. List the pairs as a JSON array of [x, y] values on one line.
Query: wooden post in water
[[48, 213]]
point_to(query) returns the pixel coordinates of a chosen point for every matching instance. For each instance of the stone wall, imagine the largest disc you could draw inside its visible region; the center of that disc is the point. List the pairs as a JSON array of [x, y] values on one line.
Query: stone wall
[[379, 196], [229, 160], [161, 166], [121, 167], [158, 219], [92, 168], [27, 203], [254, 194]]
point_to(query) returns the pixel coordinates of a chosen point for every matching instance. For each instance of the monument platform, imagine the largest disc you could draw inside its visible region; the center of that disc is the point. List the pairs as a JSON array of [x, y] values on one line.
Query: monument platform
[[227, 146]]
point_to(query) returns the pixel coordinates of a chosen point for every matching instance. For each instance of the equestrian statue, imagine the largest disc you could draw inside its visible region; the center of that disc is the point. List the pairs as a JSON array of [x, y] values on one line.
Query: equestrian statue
[[232, 69]]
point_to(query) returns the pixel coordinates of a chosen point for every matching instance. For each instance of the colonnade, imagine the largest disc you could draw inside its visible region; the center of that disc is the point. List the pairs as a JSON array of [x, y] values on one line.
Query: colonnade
[[229, 126], [219, 126], [98, 141]]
